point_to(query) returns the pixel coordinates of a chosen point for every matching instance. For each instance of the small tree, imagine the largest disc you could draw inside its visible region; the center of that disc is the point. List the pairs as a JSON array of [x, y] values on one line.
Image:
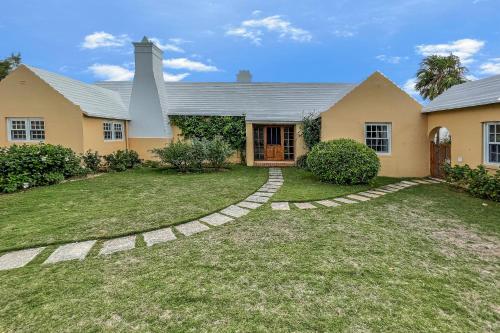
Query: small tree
[[9, 64], [438, 73], [311, 130]]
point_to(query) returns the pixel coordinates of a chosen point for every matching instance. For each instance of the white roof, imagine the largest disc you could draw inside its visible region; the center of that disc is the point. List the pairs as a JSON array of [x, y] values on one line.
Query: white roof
[[259, 102], [472, 93], [93, 100]]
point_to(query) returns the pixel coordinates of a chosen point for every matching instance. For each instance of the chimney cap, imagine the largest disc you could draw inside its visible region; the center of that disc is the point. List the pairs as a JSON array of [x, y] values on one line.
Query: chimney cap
[[244, 76], [145, 40]]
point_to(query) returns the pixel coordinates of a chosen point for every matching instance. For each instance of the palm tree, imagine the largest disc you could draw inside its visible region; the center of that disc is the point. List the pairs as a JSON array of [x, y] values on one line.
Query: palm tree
[[438, 73]]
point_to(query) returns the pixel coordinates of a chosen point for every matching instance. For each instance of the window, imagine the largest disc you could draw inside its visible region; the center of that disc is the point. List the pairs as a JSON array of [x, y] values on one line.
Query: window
[[492, 143], [274, 135], [112, 130], [258, 143], [289, 143], [378, 137], [26, 129]]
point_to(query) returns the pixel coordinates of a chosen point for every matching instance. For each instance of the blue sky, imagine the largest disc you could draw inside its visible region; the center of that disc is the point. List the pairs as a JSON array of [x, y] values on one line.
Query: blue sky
[[279, 41]]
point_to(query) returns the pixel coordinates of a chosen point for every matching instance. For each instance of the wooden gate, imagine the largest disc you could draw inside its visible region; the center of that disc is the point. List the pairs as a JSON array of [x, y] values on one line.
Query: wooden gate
[[440, 154]]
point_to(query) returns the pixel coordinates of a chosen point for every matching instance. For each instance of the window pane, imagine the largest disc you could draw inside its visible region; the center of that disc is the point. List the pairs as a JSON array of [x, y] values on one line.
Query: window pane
[[118, 131], [18, 134], [377, 137]]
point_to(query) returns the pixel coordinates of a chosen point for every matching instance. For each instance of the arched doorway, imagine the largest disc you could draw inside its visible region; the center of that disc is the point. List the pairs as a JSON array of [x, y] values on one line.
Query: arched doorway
[[440, 146]]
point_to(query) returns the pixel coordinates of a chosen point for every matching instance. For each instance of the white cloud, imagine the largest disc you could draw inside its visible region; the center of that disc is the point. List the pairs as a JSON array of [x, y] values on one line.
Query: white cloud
[[104, 39], [167, 46], [178, 41], [492, 67], [256, 12], [390, 59], [344, 33], [174, 77], [465, 49], [253, 29], [111, 72], [471, 77], [185, 63], [409, 87]]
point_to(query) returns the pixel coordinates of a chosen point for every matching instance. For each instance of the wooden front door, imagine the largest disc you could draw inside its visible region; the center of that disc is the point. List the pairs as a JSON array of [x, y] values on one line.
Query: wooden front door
[[440, 154], [274, 143]]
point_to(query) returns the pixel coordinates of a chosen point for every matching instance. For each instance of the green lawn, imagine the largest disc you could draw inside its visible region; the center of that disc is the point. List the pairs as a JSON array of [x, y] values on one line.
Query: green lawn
[[119, 203], [301, 185], [422, 260]]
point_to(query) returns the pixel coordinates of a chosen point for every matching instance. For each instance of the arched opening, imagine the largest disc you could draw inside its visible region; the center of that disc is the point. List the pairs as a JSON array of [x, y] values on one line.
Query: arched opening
[[440, 150]]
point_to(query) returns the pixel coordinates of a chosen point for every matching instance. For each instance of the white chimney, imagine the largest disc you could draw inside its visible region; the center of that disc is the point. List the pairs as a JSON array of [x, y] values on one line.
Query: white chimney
[[244, 76], [148, 98]]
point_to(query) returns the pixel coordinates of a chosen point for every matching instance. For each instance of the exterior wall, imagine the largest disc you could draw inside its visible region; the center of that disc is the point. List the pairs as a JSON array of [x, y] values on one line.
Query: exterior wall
[[93, 137], [300, 146], [249, 150], [23, 94], [377, 99], [143, 146], [466, 131]]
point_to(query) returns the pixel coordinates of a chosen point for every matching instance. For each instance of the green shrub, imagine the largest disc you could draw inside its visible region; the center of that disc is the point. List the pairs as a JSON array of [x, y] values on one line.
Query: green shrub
[[92, 161], [23, 166], [177, 154], [302, 162], [122, 160], [343, 161], [217, 152], [197, 153], [311, 130], [478, 182]]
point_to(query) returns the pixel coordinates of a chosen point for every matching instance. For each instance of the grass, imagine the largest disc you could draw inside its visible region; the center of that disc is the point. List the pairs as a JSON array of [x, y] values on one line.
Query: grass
[[424, 259], [118, 203], [301, 185]]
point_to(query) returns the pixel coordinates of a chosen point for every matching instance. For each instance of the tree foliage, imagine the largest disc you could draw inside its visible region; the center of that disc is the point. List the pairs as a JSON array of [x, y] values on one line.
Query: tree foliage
[[438, 73], [9, 64], [230, 128], [311, 130]]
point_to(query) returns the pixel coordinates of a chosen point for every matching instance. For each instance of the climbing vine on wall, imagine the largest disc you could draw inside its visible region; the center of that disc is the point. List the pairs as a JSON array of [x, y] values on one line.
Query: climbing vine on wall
[[311, 130], [231, 128]]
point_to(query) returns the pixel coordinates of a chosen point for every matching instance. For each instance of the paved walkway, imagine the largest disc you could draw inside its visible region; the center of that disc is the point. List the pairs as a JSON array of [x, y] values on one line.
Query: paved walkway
[[355, 197], [80, 250]]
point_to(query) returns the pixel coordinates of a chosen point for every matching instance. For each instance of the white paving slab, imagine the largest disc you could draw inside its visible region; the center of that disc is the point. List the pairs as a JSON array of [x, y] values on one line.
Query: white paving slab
[[256, 198], [248, 204], [358, 197], [433, 181], [270, 190], [191, 228], [328, 203], [388, 189], [235, 211], [118, 245], [72, 251], [438, 180], [369, 195], [409, 183], [158, 236], [304, 205], [264, 194], [280, 206], [216, 219], [19, 258], [421, 181], [377, 192], [346, 201]]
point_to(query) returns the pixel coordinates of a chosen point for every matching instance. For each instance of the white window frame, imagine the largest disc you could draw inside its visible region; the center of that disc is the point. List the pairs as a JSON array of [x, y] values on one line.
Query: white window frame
[[389, 136], [486, 143], [113, 130], [27, 129]]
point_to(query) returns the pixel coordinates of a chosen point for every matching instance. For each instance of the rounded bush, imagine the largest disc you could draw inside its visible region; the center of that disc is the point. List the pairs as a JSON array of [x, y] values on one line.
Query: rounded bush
[[343, 161]]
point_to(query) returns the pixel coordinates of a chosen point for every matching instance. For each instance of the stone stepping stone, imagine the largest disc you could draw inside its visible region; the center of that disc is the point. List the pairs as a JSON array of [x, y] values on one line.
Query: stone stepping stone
[[358, 197], [403, 185], [438, 180], [409, 183], [270, 190], [346, 201], [377, 192], [328, 203], [280, 206], [257, 198], [118, 245], [19, 258], [420, 181], [264, 194], [394, 187], [369, 195], [72, 251], [216, 219], [384, 190], [235, 211], [432, 181], [304, 205], [191, 228], [158, 236], [248, 204]]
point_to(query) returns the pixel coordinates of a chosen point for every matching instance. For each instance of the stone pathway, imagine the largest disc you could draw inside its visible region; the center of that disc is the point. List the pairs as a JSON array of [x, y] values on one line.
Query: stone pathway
[[80, 250], [356, 197]]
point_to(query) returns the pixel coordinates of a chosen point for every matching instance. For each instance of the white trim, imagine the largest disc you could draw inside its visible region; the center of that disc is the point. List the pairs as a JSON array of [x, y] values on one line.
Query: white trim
[[27, 129], [112, 130], [389, 136], [486, 142]]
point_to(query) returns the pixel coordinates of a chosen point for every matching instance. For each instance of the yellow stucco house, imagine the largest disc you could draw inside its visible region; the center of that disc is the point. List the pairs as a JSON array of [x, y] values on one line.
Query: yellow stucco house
[[40, 106]]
